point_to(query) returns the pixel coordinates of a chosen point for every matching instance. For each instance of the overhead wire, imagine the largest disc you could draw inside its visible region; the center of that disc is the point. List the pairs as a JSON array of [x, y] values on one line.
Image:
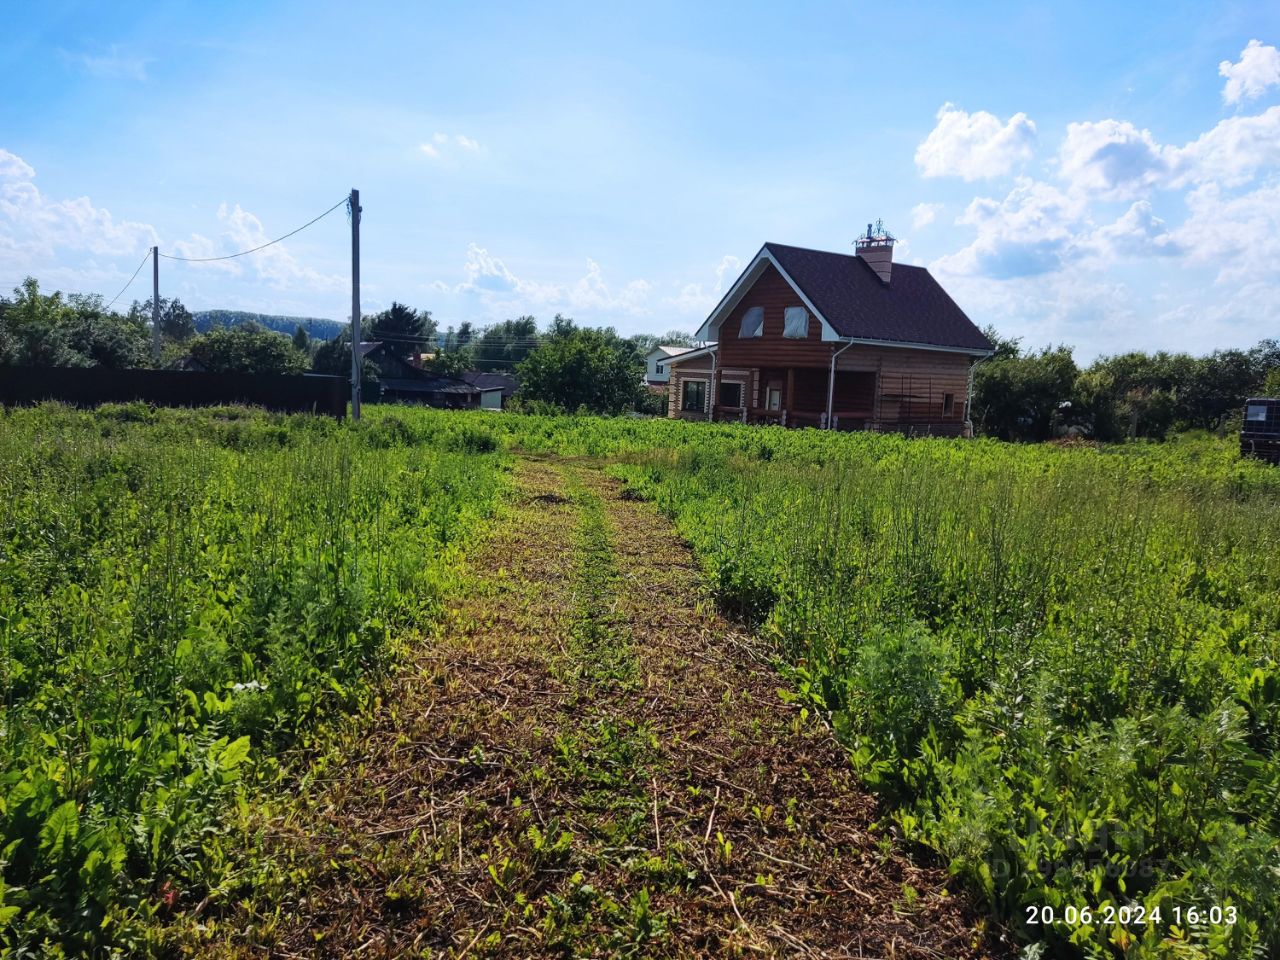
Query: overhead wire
[[232, 256], [131, 279]]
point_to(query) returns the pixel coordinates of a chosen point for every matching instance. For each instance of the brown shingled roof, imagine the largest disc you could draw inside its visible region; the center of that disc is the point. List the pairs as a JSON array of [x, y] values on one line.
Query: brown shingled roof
[[911, 308]]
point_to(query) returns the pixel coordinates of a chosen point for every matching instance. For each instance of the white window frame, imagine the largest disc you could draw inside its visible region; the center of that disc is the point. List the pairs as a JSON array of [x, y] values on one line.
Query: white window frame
[[795, 323], [753, 313]]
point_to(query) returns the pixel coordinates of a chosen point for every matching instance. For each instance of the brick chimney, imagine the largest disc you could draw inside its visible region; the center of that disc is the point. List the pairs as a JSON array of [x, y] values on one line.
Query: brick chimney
[[876, 248]]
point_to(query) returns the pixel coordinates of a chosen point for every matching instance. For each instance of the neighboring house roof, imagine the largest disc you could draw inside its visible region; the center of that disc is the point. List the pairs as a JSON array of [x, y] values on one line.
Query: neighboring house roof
[[428, 384], [486, 381], [693, 354], [667, 350], [853, 303]]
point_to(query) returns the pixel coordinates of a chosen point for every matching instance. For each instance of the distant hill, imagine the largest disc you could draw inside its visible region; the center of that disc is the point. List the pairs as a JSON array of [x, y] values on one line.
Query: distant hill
[[317, 327]]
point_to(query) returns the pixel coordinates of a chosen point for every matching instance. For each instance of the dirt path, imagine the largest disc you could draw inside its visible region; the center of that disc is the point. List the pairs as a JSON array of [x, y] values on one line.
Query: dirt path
[[591, 762]]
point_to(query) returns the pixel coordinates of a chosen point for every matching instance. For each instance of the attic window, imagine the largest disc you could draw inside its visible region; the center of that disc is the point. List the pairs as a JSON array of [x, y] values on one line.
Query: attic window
[[795, 323], [752, 323]]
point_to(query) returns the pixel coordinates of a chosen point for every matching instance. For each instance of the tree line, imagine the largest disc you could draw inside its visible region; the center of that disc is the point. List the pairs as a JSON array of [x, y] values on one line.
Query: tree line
[[1034, 395], [1019, 394], [563, 367]]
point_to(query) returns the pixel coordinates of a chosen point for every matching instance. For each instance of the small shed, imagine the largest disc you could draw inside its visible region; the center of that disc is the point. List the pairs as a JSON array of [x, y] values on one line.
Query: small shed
[[495, 388], [1260, 433]]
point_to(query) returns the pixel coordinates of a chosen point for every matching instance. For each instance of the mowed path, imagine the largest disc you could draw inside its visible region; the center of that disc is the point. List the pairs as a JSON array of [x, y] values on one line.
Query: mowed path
[[590, 761]]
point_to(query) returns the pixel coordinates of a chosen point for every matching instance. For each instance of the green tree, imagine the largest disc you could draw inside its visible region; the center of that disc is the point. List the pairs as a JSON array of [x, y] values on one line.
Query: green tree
[[247, 348], [301, 341], [37, 325], [505, 344], [333, 357], [581, 368], [1006, 348], [645, 342], [404, 332], [1023, 397], [176, 322], [1271, 385], [106, 339]]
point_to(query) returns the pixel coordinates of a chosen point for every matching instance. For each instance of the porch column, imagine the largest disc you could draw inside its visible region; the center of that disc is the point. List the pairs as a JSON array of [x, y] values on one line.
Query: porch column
[[789, 405], [715, 392]]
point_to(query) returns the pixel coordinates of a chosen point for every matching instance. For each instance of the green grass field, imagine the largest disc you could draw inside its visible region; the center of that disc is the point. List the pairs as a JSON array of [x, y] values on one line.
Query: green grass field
[[1058, 668]]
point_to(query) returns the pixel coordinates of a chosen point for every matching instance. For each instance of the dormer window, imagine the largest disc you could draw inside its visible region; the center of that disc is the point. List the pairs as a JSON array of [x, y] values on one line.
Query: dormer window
[[795, 323], [752, 323]]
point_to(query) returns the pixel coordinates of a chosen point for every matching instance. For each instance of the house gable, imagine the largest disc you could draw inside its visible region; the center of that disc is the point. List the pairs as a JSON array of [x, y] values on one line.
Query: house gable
[[774, 294], [764, 260], [852, 303]]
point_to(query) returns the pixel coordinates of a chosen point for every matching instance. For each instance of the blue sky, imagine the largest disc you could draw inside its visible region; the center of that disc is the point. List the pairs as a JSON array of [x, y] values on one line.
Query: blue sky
[[1100, 174]]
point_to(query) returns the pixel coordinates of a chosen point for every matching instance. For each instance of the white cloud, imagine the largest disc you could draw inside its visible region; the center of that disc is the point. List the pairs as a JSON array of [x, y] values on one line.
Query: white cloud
[[488, 278], [974, 146], [923, 214], [13, 167], [36, 229], [429, 150], [697, 299], [1112, 159], [1233, 152], [1236, 236], [466, 143], [1257, 69], [1137, 233], [1028, 233], [274, 264]]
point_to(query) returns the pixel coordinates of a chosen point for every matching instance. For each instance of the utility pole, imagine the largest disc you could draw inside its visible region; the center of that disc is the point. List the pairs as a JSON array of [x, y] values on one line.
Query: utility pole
[[155, 306], [354, 209]]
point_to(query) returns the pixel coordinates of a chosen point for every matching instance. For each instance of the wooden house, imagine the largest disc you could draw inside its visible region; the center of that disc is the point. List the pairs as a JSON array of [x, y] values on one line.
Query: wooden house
[[657, 365], [853, 342]]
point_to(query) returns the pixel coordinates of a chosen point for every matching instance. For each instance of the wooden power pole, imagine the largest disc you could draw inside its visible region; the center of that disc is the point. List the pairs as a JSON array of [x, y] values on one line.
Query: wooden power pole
[[354, 209], [155, 306]]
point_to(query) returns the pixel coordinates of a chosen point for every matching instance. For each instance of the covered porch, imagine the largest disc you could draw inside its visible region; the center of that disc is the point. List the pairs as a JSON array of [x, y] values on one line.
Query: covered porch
[[793, 397]]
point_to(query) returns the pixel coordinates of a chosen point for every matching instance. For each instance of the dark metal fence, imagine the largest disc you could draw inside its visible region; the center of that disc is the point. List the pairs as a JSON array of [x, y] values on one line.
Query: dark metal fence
[[87, 387]]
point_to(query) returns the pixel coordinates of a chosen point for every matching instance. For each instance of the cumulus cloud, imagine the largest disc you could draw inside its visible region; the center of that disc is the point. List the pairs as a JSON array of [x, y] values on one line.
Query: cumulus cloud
[[1137, 233], [1233, 152], [13, 167], [275, 264], [975, 145], [1257, 69], [923, 214], [489, 278], [1028, 233], [698, 299], [1112, 159], [35, 227], [1238, 237], [430, 150]]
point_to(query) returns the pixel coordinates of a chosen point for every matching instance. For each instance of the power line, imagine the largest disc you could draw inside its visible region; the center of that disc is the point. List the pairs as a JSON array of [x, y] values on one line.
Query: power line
[[145, 257], [232, 256]]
